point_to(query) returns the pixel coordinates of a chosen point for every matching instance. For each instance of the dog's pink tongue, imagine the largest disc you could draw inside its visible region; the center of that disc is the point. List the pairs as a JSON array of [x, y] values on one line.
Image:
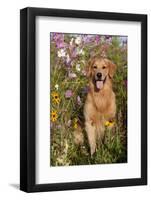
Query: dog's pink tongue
[[99, 84]]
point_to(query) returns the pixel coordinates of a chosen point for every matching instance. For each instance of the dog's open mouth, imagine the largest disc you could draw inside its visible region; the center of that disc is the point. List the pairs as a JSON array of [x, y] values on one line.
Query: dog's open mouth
[[99, 84]]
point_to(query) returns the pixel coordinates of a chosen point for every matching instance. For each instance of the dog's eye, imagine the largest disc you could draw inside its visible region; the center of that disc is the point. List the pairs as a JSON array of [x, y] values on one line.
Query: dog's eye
[[95, 67], [103, 67]]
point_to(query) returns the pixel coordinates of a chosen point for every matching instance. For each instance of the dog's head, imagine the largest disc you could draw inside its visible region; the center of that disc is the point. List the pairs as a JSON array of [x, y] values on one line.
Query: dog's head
[[99, 70]]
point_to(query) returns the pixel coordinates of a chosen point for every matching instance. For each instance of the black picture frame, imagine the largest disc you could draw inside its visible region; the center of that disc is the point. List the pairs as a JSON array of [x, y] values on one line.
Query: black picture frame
[[28, 98]]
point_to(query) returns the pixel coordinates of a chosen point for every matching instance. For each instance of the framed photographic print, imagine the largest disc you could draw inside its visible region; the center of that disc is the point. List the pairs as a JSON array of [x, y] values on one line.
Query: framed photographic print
[[83, 99]]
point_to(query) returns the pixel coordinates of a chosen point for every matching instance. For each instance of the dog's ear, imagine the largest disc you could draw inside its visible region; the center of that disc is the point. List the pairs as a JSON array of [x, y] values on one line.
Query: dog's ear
[[112, 68], [89, 67]]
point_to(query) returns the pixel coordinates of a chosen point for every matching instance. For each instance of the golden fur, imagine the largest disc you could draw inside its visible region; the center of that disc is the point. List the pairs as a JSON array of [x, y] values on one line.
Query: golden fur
[[100, 104]]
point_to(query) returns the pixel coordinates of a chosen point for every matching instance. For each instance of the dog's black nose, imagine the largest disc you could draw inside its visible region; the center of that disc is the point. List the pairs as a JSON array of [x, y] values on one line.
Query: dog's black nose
[[99, 75]]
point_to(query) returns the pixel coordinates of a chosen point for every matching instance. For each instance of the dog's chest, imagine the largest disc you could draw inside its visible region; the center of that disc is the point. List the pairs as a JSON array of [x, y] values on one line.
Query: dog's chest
[[102, 102]]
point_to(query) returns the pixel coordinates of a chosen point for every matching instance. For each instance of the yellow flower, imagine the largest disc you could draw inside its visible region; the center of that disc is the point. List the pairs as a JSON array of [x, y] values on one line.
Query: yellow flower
[[56, 98], [109, 124], [75, 124], [54, 116], [54, 94]]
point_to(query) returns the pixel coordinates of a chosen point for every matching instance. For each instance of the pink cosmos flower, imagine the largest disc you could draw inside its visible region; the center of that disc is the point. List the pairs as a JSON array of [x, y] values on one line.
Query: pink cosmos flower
[[68, 93], [72, 75], [83, 72]]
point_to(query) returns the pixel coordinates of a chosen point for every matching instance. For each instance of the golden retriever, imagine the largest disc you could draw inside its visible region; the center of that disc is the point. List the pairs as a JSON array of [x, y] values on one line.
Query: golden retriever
[[100, 104]]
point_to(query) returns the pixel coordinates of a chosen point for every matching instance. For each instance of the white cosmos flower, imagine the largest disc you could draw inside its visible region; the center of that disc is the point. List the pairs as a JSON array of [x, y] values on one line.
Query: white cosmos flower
[[82, 52], [71, 41], [78, 67], [78, 40], [56, 86], [61, 53], [72, 75]]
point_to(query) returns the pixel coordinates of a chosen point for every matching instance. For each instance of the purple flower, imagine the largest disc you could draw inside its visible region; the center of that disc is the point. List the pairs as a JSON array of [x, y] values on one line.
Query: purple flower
[[85, 90], [68, 93], [97, 39], [88, 38], [73, 51], [60, 44], [79, 100], [58, 39], [68, 60]]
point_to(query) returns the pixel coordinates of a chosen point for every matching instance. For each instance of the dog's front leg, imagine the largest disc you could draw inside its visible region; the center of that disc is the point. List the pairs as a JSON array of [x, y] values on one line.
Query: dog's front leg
[[100, 129], [91, 133]]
